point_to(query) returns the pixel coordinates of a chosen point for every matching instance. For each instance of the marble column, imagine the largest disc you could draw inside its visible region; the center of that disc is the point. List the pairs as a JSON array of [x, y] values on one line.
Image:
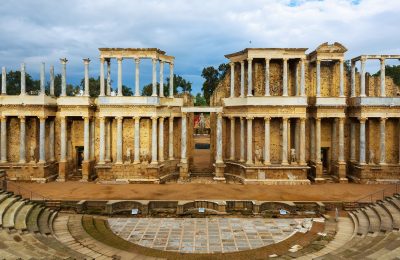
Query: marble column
[[92, 138], [119, 139], [22, 138], [382, 141], [42, 139], [3, 140], [362, 91], [218, 158], [102, 142], [285, 77], [183, 138], [296, 138], [302, 151], [267, 90], [154, 158], [23, 77], [232, 139], [63, 77], [136, 158], [171, 138], [341, 78], [102, 92], [249, 77], [284, 141], [161, 140], [108, 90], [171, 79], [119, 61], [383, 87], [353, 79], [341, 140], [302, 79], [108, 139], [63, 139], [352, 141], [241, 139], [154, 79], [161, 78], [42, 79], [86, 139], [242, 78], [3, 81], [137, 77], [362, 141], [267, 141], [51, 81], [318, 62], [232, 90], [333, 140], [296, 79], [86, 86], [51, 140], [398, 134], [312, 139], [249, 140], [318, 140]]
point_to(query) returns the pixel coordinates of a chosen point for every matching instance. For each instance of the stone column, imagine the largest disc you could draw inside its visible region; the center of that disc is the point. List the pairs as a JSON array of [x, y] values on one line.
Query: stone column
[[267, 91], [3, 81], [296, 79], [383, 87], [242, 78], [398, 133], [22, 138], [249, 77], [42, 79], [241, 139], [341, 140], [51, 140], [161, 78], [284, 141], [341, 79], [218, 158], [171, 80], [184, 138], [154, 140], [318, 140], [232, 140], [86, 140], [42, 139], [23, 75], [161, 140], [318, 62], [267, 142], [136, 158], [102, 92], [63, 77], [119, 60], [3, 138], [171, 138], [362, 141], [108, 139], [108, 91], [333, 140], [249, 140], [92, 138], [86, 88], [154, 79], [119, 139], [284, 77], [232, 64], [352, 141], [302, 151], [51, 80], [296, 137], [302, 79], [353, 79], [362, 91], [312, 140], [63, 139], [102, 142], [137, 77], [382, 141]]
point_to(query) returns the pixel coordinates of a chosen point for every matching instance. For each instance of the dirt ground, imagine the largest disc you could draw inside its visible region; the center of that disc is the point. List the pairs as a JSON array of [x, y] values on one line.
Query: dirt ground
[[173, 191]]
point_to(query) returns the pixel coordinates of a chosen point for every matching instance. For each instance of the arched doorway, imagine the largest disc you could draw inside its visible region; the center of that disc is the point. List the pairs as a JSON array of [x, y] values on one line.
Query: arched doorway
[[202, 161]]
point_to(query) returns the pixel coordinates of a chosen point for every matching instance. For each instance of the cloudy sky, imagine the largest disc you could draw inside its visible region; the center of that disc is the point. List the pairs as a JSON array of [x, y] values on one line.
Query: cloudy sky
[[198, 32]]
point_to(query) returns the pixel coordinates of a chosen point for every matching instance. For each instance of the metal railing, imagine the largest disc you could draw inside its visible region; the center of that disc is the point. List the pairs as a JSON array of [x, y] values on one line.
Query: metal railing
[[12, 186], [380, 194]]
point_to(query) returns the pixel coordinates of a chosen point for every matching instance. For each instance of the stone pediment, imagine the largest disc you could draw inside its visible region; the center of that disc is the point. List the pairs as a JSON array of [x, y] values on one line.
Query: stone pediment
[[331, 48]]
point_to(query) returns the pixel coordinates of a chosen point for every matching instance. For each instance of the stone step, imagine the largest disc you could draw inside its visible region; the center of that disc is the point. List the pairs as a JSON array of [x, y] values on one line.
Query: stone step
[[43, 222], [394, 212], [376, 244], [11, 214], [395, 202], [363, 223], [374, 221], [5, 204], [22, 215], [32, 220], [60, 247], [4, 195], [355, 223], [385, 218], [51, 220]]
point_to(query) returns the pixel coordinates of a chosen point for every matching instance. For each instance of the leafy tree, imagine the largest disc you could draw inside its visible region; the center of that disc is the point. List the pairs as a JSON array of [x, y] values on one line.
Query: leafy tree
[[14, 83], [179, 82], [211, 76], [126, 91], [200, 101], [148, 89], [223, 69], [393, 72]]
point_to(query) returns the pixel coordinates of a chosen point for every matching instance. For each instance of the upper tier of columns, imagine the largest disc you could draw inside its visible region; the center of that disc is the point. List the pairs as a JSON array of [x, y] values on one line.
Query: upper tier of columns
[[318, 77]]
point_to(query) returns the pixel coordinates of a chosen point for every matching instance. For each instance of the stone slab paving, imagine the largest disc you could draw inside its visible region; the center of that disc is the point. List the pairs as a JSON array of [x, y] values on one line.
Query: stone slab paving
[[205, 235]]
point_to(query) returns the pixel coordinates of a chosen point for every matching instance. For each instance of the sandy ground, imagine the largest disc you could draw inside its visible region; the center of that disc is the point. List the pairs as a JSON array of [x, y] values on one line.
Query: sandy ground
[[93, 191]]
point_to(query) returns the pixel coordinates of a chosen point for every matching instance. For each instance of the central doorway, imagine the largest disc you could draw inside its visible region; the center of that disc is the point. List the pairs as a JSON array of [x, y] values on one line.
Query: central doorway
[[202, 163]]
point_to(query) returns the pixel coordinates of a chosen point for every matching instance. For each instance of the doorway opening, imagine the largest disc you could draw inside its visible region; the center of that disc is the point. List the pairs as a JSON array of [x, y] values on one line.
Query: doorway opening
[[202, 162], [79, 158], [325, 159]]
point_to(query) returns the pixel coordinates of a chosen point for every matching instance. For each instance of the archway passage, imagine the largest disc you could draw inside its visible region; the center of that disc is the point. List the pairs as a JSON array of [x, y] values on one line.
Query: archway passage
[[202, 161]]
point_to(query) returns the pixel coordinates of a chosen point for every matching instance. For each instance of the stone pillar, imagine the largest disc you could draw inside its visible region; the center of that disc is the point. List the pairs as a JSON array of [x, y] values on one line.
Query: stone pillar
[[318, 140], [296, 138], [102, 142], [42, 79], [154, 140], [362, 141], [302, 79], [119, 139], [119, 60], [51, 140], [312, 140], [333, 140], [241, 139], [184, 138], [352, 141], [22, 138], [161, 140], [86, 140], [136, 158], [232, 90], [3, 81], [341, 79], [383, 87], [242, 78], [249, 140], [42, 139], [171, 80], [92, 138], [284, 141], [318, 62], [284, 77], [63, 139], [362, 91], [23, 75], [382, 141], [171, 138], [108, 91], [267, 142], [154, 79], [108, 139], [232, 139], [249, 77], [137, 77], [341, 140], [296, 79], [218, 158], [86, 88], [353, 79], [302, 148], [161, 78], [3, 138], [63, 77], [102, 92], [267, 91], [51, 81]]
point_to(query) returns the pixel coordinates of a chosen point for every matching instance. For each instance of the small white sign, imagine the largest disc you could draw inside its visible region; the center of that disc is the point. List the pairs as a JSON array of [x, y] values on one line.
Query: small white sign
[[135, 211], [282, 212], [202, 210]]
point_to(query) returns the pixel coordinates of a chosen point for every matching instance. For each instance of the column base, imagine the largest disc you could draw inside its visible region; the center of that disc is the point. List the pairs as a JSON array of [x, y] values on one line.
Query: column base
[[219, 171], [341, 168], [62, 171], [183, 171], [22, 162], [319, 172], [86, 171]]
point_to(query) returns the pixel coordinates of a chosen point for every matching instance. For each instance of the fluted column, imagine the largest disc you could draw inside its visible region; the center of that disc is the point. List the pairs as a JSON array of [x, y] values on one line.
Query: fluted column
[[232, 139], [42, 139], [284, 77], [242, 78], [362, 141], [267, 142], [23, 76], [51, 140], [102, 142], [108, 139], [352, 141], [42, 79], [296, 79], [171, 80], [318, 62], [119, 61], [353, 79], [249, 77], [51, 81], [63, 139], [232, 90], [92, 138], [3, 81], [108, 90], [241, 139], [383, 87], [3, 140], [171, 138], [382, 141], [302, 79], [183, 138], [22, 138], [137, 77], [284, 141], [267, 89], [341, 79], [86, 85], [312, 139], [137, 140], [333, 140], [302, 151], [119, 139], [218, 158], [102, 92], [341, 140], [318, 140], [161, 140], [161, 78], [249, 140], [362, 91], [86, 140], [63, 77], [154, 79], [154, 140]]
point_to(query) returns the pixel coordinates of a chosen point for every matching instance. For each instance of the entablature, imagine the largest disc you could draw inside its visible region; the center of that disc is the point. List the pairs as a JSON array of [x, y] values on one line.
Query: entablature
[[270, 101], [135, 53], [75, 101], [276, 112], [138, 101], [327, 101], [26, 100], [269, 53], [374, 101]]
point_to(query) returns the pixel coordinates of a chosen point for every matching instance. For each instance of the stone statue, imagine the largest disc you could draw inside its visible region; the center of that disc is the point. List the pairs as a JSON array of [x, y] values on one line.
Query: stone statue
[[128, 155], [113, 94], [258, 156], [32, 154], [293, 155], [80, 94], [202, 123], [371, 157]]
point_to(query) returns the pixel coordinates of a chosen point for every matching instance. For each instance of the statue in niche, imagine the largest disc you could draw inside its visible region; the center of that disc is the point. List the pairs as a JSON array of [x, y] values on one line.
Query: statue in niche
[[128, 155], [32, 154], [258, 156], [202, 123], [293, 155], [371, 157]]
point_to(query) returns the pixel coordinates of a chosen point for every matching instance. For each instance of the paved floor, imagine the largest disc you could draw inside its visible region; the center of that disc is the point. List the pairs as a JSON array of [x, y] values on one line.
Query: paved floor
[[205, 235]]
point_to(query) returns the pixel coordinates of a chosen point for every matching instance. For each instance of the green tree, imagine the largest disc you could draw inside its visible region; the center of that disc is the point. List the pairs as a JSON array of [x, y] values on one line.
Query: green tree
[[14, 83], [126, 91], [200, 101], [393, 72], [211, 76], [148, 89], [179, 84]]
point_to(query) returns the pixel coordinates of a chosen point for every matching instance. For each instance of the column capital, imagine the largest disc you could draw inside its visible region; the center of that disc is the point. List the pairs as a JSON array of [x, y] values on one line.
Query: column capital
[[302, 119], [119, 59], [137, 60], [171, 64], [102, 118], [285, 118], [85, 117], [249, 117], [362, 120], [318, 60], [154, 60], [285, 59], [219, 114], [382, 119], [242, 62], [363, 59], [3, 118], [119, 118], [249, 59], [184, 114], [63, 60], [232, 64], [136, 118], [42, 118], [341, 119], [162, 118], [382, 60], [318, 119], [86, 61], [267, 118], [267, 59], [171, 118], [161, 61], [102, 60], [154, 118], [21, 117]]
